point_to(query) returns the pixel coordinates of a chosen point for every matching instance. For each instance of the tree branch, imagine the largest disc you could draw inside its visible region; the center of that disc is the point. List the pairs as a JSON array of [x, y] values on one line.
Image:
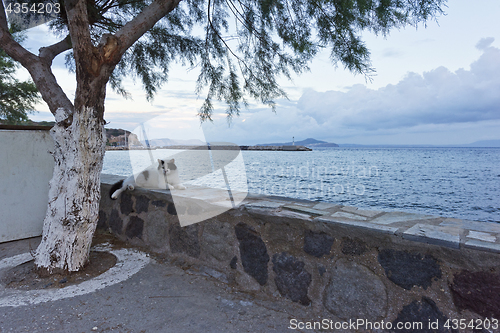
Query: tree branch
[[40, 71], [3, 18], [50, 90], [79, 31], [11, 47], [139, 25], [16, 51], [50, 52]]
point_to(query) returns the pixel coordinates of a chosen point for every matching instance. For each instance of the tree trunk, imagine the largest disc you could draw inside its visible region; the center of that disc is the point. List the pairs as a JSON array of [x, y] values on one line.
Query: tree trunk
[[74, 191], [79, 137]]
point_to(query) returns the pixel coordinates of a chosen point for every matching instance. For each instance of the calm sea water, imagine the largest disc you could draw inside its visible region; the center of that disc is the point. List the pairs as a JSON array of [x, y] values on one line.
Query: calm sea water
[[452, 182]]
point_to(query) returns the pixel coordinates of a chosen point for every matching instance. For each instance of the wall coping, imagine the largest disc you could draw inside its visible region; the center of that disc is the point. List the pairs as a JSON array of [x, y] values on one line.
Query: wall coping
[[25, 128], [436, 230]]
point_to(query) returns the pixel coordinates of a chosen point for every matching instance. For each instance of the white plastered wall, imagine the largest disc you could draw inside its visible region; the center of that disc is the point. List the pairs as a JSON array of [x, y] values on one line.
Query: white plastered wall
[[26, 168]]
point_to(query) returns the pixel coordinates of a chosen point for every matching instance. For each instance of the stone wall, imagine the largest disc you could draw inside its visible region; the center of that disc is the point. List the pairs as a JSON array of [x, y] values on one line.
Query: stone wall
[[332, 261]]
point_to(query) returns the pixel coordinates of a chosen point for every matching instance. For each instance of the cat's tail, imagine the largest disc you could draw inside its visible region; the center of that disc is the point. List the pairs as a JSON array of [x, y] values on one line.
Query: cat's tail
[[114, 188]]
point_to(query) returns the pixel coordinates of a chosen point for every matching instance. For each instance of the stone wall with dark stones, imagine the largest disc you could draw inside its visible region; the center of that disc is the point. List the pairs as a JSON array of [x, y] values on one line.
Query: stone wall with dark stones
[[330, 270]]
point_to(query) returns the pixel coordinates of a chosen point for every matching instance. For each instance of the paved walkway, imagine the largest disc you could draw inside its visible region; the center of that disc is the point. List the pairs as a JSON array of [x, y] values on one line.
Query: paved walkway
[[159, 298]]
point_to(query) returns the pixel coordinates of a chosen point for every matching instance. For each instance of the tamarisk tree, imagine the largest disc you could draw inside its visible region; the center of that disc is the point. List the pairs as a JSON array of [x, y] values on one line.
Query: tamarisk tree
[[240, 48]]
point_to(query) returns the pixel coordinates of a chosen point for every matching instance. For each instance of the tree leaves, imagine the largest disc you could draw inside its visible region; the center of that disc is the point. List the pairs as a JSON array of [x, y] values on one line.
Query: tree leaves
[[241, 47], [17, 98]]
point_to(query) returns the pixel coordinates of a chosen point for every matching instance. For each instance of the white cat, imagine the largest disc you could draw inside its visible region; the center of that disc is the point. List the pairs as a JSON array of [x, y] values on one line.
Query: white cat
[[162, 175]]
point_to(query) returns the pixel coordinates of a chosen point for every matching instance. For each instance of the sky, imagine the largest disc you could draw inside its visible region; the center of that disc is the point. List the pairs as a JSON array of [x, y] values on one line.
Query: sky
[[435, 84]]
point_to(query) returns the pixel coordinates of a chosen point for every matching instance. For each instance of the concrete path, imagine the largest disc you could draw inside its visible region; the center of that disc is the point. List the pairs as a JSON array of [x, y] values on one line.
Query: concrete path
[[159, 298]]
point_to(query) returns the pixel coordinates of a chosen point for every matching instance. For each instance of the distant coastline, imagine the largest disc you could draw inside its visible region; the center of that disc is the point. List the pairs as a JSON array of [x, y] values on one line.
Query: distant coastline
[[217, 147], [476, 144], [309, 142], [313, 143], [116, 141], [299, 146]]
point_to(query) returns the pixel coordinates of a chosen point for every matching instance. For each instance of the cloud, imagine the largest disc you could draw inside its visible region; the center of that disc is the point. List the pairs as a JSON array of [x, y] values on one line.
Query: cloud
[[436, 97], [433, 107], [484, 43], [391, 53]]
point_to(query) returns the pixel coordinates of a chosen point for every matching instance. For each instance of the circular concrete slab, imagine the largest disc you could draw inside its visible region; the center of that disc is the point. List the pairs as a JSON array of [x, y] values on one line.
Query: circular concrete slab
[[129, 262]]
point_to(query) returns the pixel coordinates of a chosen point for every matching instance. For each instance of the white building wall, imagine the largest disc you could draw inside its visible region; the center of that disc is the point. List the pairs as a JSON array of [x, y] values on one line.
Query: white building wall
[[25, 170]]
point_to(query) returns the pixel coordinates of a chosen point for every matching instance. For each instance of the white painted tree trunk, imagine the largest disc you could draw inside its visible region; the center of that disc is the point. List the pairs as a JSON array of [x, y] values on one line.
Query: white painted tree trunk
[[74, 192]]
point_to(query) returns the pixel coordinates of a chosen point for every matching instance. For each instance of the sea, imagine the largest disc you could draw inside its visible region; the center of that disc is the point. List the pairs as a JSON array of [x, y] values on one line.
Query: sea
[[451, 182]]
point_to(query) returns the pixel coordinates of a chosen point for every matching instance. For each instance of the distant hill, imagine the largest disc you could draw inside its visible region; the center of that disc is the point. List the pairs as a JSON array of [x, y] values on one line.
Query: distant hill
[[485, 143], [116, 137], [354, 145], [309, 142], [478, 144]]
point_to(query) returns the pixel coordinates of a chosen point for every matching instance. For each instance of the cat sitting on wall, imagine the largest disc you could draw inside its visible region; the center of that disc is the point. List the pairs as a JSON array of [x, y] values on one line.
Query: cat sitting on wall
[[162, 175]]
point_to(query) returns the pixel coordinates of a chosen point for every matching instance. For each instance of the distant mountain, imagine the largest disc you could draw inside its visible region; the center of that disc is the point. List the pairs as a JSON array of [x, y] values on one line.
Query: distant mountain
[[310, 142], [478, 144], [485, 143], [354, 145]]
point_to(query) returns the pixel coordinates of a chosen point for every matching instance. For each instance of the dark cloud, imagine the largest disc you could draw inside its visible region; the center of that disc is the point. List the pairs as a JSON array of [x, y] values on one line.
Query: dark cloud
[[436, 97]]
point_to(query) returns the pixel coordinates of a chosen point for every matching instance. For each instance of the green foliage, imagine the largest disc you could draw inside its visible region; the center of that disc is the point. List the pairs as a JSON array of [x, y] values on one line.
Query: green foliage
[[241, 47], [17, 98]]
